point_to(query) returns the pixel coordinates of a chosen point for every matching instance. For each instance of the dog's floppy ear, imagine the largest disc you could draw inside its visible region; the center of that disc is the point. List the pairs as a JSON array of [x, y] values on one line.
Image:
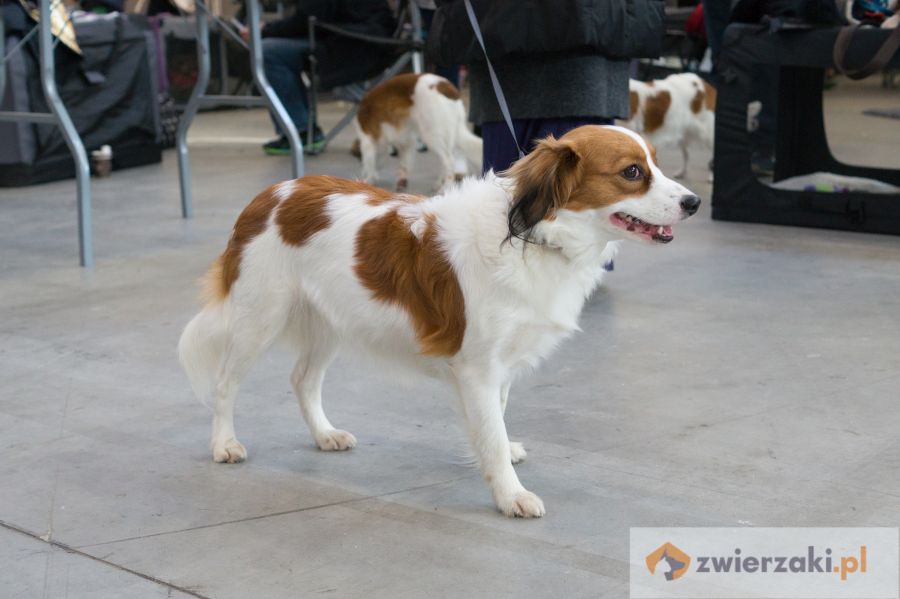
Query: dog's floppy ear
[[544, 180]]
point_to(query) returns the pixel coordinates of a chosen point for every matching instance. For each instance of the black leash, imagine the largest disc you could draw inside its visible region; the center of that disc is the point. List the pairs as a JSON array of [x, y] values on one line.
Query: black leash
[[498, 91]]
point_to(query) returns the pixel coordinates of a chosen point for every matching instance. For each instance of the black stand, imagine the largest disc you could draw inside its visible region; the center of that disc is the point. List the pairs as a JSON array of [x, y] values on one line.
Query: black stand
[[802, 56]]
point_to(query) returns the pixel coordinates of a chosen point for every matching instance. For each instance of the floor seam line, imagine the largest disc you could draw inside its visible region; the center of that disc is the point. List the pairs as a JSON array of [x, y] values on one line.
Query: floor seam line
[[274, 514], [76, 551]]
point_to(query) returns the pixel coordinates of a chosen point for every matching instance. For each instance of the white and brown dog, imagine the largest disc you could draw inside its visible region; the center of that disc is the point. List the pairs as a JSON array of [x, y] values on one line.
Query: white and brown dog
[[473, 286], [393, 112], [676, 111]]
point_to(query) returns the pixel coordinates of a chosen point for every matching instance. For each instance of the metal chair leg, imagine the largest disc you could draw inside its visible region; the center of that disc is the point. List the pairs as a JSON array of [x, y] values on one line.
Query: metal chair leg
[[70, 134], [2, 56], [190, 110], [275, 105], [313, 92], [415, 17]]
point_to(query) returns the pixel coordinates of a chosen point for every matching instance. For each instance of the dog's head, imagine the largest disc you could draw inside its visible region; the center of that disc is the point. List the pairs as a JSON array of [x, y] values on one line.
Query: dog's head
[[602, 178]]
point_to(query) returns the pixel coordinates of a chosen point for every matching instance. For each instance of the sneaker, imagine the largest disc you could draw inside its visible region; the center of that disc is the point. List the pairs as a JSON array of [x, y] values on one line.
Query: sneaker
[[278, 147], [282, 147], [318, 143]]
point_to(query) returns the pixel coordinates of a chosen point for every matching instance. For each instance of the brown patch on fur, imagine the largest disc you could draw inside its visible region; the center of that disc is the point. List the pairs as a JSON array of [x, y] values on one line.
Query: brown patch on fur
[[634, 99], [655, 108], [447, 89], [710, 95], [415, 274], [299, 216], [650, 83], [605, 153], [251, 222], [697, 102], [388, 102], [302, 214], [384, 196], [545, 179], [580, 171], [212, 285]]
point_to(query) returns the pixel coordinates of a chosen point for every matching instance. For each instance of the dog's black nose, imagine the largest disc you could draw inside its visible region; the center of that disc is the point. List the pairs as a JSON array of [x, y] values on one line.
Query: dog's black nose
[[690, 204]]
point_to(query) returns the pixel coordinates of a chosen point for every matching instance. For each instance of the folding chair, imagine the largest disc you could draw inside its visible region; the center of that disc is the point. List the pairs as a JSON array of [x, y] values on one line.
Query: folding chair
[[403, 47]]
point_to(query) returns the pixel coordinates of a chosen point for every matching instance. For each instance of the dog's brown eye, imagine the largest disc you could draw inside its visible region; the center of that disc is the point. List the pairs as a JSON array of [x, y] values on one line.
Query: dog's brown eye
[[633, 173]]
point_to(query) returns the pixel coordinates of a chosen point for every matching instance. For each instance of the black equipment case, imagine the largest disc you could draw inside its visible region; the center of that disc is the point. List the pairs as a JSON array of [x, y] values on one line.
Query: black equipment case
[[110, 92], [802, 56]]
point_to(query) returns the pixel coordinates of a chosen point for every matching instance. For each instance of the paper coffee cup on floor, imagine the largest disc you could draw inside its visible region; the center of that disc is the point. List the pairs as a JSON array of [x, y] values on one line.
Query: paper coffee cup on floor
[[101, 161]]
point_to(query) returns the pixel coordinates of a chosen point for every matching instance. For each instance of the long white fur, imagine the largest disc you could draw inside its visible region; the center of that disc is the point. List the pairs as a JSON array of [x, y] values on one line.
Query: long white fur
[[441, 124], [682, 127], [520, 303]]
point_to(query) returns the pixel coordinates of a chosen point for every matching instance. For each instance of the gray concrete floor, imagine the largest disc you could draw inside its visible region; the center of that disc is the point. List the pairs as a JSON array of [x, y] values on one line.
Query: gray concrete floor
[[742, 375]]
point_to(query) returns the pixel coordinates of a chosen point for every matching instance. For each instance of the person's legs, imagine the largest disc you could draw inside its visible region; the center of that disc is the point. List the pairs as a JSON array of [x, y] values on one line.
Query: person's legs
[[450, 73], [283, 63], [500, 151], [715, 16]]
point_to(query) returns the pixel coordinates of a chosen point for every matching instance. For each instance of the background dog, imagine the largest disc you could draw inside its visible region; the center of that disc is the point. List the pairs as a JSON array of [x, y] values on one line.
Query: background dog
[[676, 111], [473, 286], [393, 112]]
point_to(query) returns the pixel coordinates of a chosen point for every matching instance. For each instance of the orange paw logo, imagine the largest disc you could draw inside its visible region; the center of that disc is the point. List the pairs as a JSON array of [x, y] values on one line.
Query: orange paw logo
[[668, 560]]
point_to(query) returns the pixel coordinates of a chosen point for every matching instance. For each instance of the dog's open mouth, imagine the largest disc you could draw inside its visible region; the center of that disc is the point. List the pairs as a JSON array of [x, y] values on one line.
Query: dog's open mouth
[[651, 232]]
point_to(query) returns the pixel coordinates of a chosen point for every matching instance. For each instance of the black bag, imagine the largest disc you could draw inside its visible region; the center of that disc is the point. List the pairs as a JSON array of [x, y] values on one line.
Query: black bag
[[109, 92], [878, 61], [612, 28], [819, 13]]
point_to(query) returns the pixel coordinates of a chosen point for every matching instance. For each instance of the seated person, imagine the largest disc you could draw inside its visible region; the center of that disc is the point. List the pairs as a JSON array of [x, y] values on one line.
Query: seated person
[[286, 45]]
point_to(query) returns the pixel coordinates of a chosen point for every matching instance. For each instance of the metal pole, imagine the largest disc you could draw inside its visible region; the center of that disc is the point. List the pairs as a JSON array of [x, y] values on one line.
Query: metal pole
[[313, 93], [418, 61], [259, 76], [70, 134], [2, 56], [223, 61], [190, 110]]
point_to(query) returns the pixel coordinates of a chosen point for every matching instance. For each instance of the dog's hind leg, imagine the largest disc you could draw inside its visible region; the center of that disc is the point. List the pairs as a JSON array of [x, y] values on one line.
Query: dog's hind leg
[[440, 136], [247, 338], [405, 145], [318, 346], [684, 164], [516, 449], [481, 394], [368, 148]]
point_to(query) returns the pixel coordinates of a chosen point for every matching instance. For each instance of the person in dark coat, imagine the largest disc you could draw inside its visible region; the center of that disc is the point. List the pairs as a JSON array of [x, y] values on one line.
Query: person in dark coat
[[561, 64], [286, 47]]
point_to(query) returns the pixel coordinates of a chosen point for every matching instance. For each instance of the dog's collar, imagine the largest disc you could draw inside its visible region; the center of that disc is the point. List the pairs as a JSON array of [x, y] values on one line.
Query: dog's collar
[[608, 266]]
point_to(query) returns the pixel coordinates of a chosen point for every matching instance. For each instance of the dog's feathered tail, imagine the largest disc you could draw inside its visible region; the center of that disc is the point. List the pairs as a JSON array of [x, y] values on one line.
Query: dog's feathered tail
[[202, 343], [469, 144]]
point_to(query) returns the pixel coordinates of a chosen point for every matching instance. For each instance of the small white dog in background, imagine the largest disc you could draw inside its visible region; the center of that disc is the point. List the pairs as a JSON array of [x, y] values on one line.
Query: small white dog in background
[[395, 111], [676, 111]]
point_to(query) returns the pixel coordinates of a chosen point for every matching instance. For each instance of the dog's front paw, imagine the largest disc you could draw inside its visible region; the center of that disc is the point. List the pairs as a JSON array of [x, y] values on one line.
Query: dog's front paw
[[517, 451], [335, 440], [523, 504], [230, 451]]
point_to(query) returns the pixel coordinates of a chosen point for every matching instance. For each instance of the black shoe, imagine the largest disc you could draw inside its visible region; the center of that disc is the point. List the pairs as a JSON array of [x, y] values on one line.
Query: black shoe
[[278, 147], [282, 147]]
